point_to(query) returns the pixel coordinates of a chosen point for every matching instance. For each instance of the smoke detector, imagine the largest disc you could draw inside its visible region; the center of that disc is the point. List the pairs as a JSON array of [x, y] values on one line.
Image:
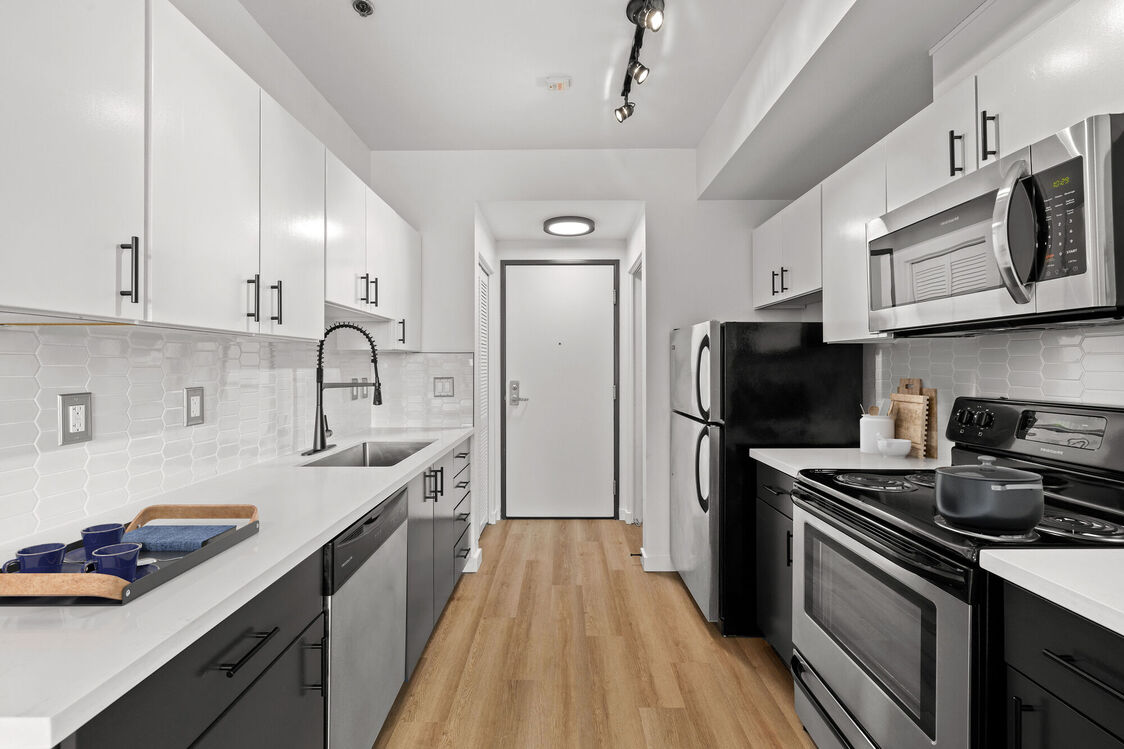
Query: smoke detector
[[363, 7]]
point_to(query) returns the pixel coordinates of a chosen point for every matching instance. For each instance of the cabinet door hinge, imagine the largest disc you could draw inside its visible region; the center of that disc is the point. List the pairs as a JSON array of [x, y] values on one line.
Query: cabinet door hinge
[[614, 297], [614, 487], [614, 391]]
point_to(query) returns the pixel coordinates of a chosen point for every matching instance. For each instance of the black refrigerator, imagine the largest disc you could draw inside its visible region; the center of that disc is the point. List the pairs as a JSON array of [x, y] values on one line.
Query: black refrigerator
[[737, 386]]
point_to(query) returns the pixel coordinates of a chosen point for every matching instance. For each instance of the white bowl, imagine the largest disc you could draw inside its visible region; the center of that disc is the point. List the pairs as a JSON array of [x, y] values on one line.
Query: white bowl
[[894, 448]]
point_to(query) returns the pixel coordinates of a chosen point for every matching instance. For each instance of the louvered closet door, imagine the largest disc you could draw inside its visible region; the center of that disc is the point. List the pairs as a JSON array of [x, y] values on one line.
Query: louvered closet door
[[483, 456]]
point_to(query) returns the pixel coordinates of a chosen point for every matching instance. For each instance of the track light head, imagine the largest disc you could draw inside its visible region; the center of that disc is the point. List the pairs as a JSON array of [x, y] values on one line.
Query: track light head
[[648, 14], [363, 7], [639, 71], [624, 111]]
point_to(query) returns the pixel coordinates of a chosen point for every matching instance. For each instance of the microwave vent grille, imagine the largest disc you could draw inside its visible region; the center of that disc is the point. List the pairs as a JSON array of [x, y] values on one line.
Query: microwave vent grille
[[930, 280], [970, 273]]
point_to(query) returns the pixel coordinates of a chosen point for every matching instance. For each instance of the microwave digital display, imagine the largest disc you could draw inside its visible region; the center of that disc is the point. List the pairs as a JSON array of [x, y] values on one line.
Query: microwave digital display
[[1060, 197]]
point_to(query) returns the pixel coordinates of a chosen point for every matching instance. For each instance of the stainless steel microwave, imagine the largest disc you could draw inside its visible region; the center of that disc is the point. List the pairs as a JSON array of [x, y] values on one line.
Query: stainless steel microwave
[[1027, 240]]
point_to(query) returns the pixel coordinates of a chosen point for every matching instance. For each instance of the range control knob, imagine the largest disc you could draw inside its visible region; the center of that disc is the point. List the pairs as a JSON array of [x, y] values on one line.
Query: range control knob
[[964, 417], [979, 418]]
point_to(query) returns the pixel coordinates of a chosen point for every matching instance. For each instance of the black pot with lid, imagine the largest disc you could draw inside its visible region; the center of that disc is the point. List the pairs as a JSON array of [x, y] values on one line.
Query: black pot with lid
[[989, 497]]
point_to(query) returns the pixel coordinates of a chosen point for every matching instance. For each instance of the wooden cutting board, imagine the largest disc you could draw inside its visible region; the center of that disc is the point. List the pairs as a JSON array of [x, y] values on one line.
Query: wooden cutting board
[[911, 421], [934, 428]]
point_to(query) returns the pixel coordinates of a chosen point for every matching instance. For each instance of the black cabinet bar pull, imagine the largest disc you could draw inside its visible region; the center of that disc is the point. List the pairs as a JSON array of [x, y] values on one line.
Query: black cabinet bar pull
[[425, 490], [262, 637], [463, 553], [462, 484], [1069, 663], [323, 667], [461, 456], [256, 283], [788, 545], [783, 287], [133, 245], [1017, 710], [279, 317], [462, 516], [403, 324], [984, 119], [376, 297], [953, 170], [440, 474], [775, 274], [366, 279], [776, 492]]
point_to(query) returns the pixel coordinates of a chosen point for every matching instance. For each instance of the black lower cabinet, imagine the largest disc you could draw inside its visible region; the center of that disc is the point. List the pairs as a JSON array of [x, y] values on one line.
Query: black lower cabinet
[[774, 560], [1036, 719], [175, 706], [1065, 676], [284, 707]]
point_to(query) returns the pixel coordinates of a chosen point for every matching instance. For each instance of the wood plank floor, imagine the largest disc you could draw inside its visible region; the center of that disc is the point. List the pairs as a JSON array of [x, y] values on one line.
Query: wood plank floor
[[562, 640]]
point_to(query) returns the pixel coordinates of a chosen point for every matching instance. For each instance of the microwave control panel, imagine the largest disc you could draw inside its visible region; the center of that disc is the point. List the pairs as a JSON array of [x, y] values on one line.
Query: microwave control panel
[[1060, 195]]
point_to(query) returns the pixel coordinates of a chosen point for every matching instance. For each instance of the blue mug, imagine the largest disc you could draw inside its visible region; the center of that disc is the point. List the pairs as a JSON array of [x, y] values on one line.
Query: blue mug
[[38, 559], [118, 559], [97, 536]]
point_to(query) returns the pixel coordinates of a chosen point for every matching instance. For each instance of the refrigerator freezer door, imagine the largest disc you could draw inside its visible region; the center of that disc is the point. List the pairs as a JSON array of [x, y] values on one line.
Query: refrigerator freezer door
[[696, 452], [696, 371]]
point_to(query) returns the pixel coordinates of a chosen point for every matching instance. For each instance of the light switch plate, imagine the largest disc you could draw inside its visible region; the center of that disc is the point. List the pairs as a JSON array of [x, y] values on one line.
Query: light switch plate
[[442, 387], [193, 407], [76, 418]]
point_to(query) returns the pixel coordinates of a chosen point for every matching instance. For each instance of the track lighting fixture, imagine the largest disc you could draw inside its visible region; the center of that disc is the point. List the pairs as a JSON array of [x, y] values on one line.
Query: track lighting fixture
[[647, 14], [363, 7], [624, 111]]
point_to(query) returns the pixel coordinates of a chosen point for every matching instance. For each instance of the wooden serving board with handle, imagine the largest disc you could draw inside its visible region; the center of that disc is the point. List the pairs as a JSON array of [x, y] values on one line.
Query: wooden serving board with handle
[[911, 421]]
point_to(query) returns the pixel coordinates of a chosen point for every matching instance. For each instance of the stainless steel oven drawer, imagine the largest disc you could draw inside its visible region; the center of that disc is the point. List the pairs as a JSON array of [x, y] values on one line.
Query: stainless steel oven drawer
[[1079, 661]]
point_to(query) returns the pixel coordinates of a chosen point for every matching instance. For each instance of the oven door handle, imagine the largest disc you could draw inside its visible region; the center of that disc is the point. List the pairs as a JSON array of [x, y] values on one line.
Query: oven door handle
[[1001, 244], [882, 544], [818, 693]]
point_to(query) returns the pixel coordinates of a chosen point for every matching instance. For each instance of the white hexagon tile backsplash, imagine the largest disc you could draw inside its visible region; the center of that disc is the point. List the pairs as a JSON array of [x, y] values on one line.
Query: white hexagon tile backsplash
[[1079, 364], [259, 403]]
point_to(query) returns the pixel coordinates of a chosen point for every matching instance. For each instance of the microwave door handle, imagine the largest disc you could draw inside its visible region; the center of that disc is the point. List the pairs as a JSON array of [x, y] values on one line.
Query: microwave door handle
[[1000, 243]]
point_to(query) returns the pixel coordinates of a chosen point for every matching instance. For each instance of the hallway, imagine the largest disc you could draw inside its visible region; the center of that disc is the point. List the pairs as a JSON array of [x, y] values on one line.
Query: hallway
[[562, 640]]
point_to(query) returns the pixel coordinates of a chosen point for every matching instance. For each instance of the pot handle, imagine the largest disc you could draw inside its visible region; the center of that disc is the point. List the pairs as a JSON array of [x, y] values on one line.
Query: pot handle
[[1015, 487]]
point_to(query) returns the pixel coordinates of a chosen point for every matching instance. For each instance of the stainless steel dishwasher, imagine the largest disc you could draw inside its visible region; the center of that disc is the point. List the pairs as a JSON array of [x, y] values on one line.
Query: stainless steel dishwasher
[[365, 582]]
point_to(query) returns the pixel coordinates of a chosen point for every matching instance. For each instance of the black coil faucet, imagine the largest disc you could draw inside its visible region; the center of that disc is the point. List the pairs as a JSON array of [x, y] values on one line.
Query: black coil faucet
[[320, 431]]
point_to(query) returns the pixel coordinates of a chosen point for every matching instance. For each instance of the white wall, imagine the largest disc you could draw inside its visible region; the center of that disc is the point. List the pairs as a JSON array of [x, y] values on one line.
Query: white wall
[[234, 30], [697, 254]]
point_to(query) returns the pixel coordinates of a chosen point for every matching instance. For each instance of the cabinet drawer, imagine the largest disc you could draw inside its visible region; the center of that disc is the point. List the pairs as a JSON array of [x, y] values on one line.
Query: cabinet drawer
[[1036, 719], [1079, 661], [173, 706], [462, 518], [775, 489], [286, 705], [460, 554]]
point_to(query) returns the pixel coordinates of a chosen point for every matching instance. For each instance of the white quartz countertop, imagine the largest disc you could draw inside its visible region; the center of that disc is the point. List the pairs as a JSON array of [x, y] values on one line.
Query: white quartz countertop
[[794, 460], [61, 666], [1087, 581]]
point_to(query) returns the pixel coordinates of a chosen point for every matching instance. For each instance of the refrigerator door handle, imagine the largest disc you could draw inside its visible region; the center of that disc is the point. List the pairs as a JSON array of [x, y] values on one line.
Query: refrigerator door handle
[[704, 350], [704, 501]]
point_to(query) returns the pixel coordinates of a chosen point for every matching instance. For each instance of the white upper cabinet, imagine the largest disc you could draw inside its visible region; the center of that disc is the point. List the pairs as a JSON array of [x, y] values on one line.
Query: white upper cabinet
[[800, 257], [347, 283], [935, 147], [766, 261], [1069, 68], [204, 176], [72, 156], [385, 259], [292, 226], [786, 255], [852, 196]]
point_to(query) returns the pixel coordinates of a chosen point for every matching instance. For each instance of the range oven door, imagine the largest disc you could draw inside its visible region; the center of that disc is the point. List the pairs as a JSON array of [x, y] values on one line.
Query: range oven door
[[882, 631]]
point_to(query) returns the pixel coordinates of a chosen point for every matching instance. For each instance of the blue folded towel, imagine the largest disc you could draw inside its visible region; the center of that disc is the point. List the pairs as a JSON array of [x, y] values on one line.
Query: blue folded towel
[[174, 537]]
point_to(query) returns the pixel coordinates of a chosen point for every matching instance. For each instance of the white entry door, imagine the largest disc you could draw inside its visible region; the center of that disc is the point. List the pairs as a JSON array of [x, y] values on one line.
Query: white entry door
[[560, 409]]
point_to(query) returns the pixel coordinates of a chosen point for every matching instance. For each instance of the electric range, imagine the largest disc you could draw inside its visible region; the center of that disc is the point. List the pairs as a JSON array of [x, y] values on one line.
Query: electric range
[[891, 610]]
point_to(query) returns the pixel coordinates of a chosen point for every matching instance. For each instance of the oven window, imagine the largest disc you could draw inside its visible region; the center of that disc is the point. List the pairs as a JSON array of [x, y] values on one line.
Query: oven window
[[886, 627]]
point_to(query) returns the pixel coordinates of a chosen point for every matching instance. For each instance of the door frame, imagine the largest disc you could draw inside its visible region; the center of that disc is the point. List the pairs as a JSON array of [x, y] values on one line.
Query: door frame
[[616, 265]]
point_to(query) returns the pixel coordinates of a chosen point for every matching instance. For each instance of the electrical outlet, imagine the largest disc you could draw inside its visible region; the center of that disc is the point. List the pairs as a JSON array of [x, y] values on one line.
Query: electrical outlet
[[193, 407], [76, 418]]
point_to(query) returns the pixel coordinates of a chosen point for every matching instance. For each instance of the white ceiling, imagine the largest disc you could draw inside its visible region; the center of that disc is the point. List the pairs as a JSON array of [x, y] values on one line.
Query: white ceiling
[[523, 219], [461, 75]]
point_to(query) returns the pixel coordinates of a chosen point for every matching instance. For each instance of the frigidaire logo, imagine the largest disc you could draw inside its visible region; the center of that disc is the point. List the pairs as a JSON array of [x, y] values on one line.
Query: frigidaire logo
[[1052, 452], [948, 221]]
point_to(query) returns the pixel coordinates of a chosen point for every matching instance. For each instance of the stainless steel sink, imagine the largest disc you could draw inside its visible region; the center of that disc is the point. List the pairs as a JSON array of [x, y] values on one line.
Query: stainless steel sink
[[371, 455]]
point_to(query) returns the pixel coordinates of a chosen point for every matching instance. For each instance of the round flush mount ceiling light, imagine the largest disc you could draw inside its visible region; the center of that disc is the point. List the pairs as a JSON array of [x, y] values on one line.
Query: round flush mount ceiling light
[[568, 226]]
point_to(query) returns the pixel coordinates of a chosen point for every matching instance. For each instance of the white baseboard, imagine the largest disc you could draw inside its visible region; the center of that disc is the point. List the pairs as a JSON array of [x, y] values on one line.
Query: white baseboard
[[475, 559], [656, 563], [626, 516]]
